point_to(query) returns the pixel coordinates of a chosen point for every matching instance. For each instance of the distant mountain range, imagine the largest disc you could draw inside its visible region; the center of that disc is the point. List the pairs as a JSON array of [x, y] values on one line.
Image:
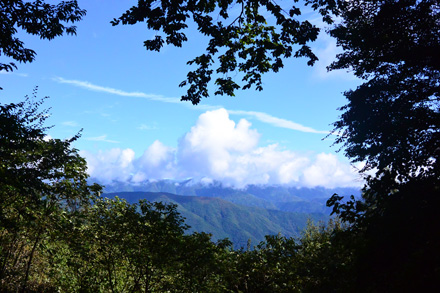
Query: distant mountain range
[[224, 219], [283, 198], [238, 214]]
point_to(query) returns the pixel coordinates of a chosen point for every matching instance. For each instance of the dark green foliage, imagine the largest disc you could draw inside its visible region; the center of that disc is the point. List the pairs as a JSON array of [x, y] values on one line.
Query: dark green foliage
[[326, 257], [124, 247], [388, 37], [241, 41], [270, 267], [37, 18], [42, 182], [310, 263], [202, 264], [392, 122]]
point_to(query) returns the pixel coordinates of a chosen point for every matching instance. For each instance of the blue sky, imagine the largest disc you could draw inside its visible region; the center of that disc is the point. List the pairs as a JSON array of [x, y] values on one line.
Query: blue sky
[[135, 128]]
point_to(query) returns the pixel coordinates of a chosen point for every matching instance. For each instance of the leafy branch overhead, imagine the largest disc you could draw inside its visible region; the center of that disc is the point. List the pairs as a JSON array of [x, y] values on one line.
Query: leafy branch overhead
[[245, 36], [37, 18]]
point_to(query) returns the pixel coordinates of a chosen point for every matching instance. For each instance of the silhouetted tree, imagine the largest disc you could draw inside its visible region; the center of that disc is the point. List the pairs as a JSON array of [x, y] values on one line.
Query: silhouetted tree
[[392, 123]]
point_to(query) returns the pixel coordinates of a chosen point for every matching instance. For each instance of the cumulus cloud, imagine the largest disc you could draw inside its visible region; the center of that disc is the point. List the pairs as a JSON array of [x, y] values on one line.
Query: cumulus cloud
[[157, 162], [328, 170], [217, 148], [114, 164], [211, 145], [47, 137]]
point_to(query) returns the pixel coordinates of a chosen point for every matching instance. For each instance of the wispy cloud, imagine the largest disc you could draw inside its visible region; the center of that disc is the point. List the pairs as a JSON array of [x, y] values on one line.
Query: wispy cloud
[[278, 122], [261, 116], [70, 123], [102, 138], [89, 86], [146, 127]]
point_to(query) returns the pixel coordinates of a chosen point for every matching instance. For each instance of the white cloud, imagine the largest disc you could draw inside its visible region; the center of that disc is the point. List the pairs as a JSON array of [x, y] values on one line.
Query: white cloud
[[328, 170], [114, 164], [47, 137], [211, 144], [101, 138], [109, 90], [278, 122], [217, 148], [157, 162]]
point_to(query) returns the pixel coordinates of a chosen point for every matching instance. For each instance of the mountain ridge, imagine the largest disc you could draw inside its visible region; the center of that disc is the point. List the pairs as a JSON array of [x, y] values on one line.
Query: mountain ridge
[[224, 219], [276, 197]]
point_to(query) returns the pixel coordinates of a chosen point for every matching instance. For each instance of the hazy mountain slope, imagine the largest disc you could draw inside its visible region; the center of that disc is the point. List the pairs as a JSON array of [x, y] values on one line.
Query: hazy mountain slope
[[283, 198], [225, 219]]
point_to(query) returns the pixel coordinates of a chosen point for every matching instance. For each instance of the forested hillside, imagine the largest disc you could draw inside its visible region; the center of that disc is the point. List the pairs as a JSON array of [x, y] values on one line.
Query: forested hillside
[[283, 198], [240, 224]]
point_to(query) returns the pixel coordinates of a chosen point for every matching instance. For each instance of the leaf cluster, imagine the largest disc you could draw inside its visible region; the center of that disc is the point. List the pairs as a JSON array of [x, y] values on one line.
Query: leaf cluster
[[36, 18], [241, 39]]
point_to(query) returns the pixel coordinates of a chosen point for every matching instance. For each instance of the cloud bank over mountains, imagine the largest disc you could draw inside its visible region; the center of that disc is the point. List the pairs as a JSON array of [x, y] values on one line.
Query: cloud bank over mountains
[[217, 148]]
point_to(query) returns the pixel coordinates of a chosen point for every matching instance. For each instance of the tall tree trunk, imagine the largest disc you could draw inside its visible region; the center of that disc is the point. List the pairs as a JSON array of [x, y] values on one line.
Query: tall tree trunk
[[31, 256]]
